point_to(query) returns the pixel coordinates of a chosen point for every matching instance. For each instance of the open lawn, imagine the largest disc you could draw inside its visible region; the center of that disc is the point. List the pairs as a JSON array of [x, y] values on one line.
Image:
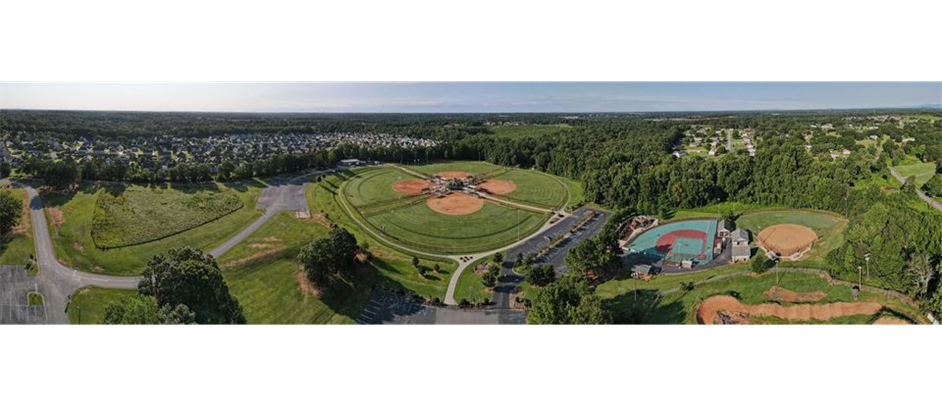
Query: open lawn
[[89, 303], [922, 171], [136, 214], [17, 247], [829, 228], [70, 218], [394, 268], [263, 273], [471, 285]]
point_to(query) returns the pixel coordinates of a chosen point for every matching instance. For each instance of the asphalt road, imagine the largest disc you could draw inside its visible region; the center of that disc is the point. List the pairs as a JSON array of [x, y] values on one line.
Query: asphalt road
[[388, 308], [932, 202]]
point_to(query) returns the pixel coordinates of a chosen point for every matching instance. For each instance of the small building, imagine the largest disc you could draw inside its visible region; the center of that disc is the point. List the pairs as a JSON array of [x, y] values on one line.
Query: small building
[[350, 163], [740, 243], [679, 153]]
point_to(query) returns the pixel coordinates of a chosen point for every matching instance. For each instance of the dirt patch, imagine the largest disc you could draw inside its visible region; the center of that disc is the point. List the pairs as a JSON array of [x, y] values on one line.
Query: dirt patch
[[307, 288], [411, 187], [455, 204], [787, 239], [78, 247], [497, 186], [320, 218], [785, 295], [890, 320], [729, 310], [254, 257], [260, 246], [453, 175], [57, 217], [271, 239]]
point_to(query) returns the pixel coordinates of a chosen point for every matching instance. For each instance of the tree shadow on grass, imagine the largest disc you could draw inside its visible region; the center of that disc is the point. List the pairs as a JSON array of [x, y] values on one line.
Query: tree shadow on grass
[[644, 308]]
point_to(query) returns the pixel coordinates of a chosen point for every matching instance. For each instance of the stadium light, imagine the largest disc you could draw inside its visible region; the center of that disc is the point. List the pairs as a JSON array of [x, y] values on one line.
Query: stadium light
[[867, 259]]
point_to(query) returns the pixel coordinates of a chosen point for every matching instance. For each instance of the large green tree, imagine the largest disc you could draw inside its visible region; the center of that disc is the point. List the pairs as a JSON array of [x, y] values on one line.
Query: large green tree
[[326, 259], [11, 209], [145, 310], [189, 277], [569, 300]]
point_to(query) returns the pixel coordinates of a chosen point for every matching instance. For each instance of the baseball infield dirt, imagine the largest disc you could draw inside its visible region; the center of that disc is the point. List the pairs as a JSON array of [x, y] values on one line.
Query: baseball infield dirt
[[787, 239], [411, 187], [455, 204], [497, 186], [727, 309]]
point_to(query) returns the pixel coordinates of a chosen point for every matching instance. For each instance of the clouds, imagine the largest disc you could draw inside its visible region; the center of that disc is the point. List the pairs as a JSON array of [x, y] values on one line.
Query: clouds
[[415, 97]]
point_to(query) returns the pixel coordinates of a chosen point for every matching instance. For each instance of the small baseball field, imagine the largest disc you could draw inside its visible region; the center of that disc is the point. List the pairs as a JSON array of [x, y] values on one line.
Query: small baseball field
[[829, 228]]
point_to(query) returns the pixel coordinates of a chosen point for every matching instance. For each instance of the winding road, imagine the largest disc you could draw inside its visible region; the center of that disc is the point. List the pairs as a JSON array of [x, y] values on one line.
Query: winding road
[[56, 282], [902, 180]]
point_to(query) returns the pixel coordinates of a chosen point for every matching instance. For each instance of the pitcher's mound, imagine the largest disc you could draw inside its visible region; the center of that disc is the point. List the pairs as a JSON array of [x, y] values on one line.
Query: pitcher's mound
[[455, 204], [453, 175], [411, 187], [497, 186]]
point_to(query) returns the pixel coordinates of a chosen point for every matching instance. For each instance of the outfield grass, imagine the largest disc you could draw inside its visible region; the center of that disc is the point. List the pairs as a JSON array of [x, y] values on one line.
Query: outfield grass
[[372, 187], [713, 210], [828, 227], [264, 274], [137, 214], [493, 226], [476, 168], [536, 188], [922, 171], [89, 303], [576, 194], [75, 247], [394, 268], [17, 247]]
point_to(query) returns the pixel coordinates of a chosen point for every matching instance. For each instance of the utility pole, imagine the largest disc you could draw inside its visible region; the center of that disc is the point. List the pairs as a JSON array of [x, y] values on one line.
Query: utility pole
[[859, 268]]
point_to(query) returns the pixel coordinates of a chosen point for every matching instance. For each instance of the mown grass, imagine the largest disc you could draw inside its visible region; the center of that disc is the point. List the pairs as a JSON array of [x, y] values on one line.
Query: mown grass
[[88, 304], [375, 186], [264, 274], [922, 171], [34, 299], [394, 267], [17, 247], [473, 167], [471, 285], [536, 187], [138, 215], [75, 246]]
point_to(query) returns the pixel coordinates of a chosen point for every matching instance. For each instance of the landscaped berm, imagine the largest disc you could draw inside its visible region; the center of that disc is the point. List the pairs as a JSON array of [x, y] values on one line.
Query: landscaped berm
[[455, 207]]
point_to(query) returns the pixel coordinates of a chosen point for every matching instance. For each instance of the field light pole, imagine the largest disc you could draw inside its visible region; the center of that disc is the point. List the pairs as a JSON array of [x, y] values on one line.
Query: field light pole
[[859, 268], [867, 258]]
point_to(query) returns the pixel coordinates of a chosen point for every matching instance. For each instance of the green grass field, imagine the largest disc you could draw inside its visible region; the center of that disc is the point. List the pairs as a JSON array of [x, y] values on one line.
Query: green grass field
[[34, 299], [89, 303], [136, 215], [394, 268], [375, 186], [536, 188], [828, 227], [70, 219], [922, 171], [418, 227], [476, 168], [263, 273], [471, 285], [492, 227], [17, 247]]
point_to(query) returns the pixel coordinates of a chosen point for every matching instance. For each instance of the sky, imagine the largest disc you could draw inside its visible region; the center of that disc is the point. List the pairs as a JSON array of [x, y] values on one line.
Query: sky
[[467, 97]]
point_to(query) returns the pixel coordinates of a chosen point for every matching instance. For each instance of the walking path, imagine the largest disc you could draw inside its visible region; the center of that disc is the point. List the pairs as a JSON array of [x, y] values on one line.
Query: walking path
[[932, 202]]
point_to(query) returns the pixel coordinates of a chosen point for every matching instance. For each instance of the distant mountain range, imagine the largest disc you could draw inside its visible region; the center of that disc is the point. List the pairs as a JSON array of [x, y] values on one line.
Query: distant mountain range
[[929, 106]]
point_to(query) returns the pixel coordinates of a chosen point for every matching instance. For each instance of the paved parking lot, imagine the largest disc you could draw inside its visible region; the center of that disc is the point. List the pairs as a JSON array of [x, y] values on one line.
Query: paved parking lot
[[386, 308], [556, 256], [15, 285]]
